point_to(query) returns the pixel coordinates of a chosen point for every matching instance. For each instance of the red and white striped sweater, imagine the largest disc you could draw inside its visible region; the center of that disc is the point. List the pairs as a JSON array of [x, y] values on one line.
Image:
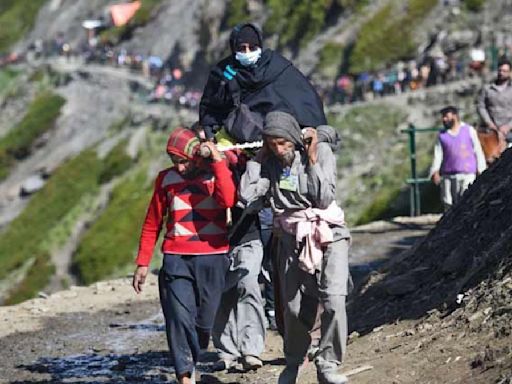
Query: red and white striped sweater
[[196, 213]]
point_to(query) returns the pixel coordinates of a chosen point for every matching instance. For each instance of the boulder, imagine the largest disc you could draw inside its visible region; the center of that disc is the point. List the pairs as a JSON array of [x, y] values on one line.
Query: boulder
[[31, 185]]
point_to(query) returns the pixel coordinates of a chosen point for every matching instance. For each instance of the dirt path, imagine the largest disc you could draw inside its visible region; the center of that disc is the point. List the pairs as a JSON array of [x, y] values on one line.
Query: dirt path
[[106, 334]]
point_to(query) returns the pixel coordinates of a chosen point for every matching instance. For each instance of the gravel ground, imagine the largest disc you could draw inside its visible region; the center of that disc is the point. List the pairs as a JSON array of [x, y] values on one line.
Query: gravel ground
[[105, 333]]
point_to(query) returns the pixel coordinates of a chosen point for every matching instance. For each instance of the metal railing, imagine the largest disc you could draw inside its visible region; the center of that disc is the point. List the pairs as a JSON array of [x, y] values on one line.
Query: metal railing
[[414, 181]]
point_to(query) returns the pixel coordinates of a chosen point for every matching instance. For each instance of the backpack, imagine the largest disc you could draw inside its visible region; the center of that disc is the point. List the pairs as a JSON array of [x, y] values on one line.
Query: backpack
[[242, 124]]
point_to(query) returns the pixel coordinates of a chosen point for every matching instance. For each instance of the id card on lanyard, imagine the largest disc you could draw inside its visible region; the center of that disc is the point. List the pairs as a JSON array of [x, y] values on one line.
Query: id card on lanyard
[[287, 181]]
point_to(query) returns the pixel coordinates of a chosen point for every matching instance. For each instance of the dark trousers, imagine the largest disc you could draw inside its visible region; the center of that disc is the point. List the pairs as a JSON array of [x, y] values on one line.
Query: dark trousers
[[190, 291]]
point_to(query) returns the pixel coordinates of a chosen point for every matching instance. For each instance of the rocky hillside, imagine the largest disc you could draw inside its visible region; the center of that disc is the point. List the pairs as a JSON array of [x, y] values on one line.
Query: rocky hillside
[[68, 177], [92, 122], [457, 281], [316, 35]]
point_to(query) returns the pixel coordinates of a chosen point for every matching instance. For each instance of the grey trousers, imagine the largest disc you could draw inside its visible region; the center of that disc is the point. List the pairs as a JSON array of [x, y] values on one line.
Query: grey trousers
[[302, 292], [453, 187], [240, 324]]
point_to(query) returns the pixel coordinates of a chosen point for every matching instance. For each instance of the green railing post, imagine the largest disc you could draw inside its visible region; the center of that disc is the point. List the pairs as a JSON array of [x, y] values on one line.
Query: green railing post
[[494, 53], [412, 159], [414, 181], [414, 192]]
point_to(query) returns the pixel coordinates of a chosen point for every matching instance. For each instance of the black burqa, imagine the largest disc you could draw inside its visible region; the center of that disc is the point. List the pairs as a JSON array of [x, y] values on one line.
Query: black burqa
[[274, 84]]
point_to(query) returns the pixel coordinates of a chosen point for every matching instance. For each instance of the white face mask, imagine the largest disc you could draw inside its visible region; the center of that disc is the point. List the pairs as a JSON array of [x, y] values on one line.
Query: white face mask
[[248, 59]]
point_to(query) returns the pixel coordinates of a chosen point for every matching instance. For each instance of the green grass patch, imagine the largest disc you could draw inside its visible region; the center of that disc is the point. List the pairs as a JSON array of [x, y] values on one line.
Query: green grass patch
[[388, 35], [392, 198], [7, 75], [116, 162], [111, 242], [109, 247], [237, 13], [330, 60], [38, 75], [379, 206], [16, 19], [27, 235], [143, 15], [369, 123], [48, 220], [474, 5], [40, 117], [59, 234], [298, 21], [375, 159], [119, 125], [37, 278]]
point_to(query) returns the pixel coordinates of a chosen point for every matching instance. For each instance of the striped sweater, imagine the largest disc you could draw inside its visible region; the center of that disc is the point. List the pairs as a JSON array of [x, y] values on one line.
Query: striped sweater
[[196, 213]]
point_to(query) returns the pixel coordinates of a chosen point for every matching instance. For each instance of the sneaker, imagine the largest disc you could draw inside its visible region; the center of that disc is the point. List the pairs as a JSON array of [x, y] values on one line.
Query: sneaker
[[288, 375], [251, 363], [223, 365], [331, 377]]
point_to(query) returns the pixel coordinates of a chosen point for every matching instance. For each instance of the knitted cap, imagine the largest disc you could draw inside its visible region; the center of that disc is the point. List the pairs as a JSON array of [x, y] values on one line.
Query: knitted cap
[[282, 124], [183, 142]]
